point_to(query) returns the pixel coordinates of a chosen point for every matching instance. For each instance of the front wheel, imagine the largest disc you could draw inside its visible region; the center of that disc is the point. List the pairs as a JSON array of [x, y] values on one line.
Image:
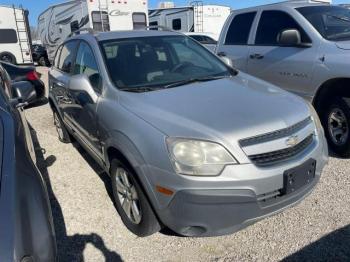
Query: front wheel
[[131, 202], [336, 119]]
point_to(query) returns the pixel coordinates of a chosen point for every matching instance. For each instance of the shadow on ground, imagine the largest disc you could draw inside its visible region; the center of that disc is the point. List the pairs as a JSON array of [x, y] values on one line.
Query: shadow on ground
[[70, 248], [332, 247]]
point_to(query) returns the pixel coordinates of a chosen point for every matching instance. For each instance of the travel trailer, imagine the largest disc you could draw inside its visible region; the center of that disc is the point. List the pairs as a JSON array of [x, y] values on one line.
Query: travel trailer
[[15, 41], [59, 21], [194, 18]]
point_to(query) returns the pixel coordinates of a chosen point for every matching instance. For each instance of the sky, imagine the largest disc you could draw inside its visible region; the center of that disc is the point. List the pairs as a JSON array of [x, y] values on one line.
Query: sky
[[35, 7]]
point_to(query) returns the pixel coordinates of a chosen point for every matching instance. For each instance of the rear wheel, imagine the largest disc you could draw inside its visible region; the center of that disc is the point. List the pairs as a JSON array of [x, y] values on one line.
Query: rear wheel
[[336, 119], [61, 130], [131, 202], [7, 57]]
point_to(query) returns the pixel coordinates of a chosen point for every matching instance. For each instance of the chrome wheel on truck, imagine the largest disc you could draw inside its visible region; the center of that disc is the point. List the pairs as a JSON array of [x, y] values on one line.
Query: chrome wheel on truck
[[338, 126]]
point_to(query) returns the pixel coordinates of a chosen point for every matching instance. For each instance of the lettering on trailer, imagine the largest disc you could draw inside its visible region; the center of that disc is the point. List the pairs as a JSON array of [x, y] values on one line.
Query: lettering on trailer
[[117, 12]]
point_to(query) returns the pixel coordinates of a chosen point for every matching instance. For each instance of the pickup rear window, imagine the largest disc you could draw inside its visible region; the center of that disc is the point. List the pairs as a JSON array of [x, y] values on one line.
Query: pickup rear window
[[239, 30]]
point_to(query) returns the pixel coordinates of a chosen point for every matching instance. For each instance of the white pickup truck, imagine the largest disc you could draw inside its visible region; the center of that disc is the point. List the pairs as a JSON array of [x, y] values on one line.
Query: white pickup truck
[[303, 47]]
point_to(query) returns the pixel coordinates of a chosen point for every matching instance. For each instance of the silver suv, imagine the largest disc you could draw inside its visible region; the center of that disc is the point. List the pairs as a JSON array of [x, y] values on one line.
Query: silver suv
[[189, 143], [303, 47]]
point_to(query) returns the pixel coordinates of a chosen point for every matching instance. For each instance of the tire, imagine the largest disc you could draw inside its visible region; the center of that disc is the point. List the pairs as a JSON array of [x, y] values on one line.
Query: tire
[[8, 57], [42, 61], [336, 120], [62, 132], [142, 223]]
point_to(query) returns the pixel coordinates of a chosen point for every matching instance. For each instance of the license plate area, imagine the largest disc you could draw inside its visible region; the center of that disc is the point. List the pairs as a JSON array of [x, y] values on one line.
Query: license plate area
[[297, 177]]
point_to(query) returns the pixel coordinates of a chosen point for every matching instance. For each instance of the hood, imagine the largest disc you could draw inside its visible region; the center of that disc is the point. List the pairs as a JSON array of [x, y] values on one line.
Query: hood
[[235, 108], [343, 45]]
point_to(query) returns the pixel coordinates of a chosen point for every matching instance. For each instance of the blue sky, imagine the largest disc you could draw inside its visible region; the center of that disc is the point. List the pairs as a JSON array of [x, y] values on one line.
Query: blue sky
[[35, 7]]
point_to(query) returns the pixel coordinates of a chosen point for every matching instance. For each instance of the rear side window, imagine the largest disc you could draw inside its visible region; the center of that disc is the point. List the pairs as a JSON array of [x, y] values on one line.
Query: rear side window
[[274, 22], [139, 20], [238, 32], [67, 56], [100, 21], [8, 36]]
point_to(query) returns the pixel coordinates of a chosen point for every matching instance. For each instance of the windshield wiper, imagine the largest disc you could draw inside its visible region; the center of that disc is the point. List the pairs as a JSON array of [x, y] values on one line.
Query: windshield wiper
[[344, 19], [194, 80], [139, 89]]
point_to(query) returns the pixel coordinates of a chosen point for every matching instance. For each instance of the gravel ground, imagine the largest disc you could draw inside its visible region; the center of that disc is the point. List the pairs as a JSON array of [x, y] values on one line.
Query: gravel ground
[[88, 227]]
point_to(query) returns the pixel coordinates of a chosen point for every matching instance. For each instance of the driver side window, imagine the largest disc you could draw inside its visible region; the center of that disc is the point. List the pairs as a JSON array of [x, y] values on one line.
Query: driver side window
[[86, 64]]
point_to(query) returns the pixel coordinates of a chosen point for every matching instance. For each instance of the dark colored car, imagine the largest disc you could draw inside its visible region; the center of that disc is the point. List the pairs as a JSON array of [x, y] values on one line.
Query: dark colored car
[[26, 73], [26, 224], [40, 55]]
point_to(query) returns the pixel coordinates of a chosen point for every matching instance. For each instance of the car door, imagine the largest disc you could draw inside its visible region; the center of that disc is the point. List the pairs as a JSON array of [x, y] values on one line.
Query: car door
[[288, 67], [83, 113], [234, 41], [59, 78]]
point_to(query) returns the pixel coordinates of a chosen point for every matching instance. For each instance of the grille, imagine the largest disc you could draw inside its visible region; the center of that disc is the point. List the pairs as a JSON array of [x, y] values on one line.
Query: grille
[[276, 134], [274, 157]]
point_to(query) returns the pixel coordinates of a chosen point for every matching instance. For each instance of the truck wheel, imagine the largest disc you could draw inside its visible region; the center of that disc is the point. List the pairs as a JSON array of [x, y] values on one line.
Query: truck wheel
[[336, 120], [62, 132], [8, 57], [131, 202]]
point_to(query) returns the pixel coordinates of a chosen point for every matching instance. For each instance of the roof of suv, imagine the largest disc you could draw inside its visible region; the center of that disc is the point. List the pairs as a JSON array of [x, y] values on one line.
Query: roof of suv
[[291, 3], [101, 36]]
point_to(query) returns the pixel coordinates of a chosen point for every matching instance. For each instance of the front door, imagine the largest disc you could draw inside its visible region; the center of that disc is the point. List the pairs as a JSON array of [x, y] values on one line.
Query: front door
[[288, 67], [83, 113]]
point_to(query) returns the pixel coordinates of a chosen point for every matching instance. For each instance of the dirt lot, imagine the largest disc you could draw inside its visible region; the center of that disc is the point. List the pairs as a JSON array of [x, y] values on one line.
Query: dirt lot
[[88, 227]]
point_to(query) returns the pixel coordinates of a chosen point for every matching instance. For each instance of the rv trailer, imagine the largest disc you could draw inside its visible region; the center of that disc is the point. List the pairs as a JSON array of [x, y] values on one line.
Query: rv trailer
[[59, 21], [15, 41], [197, 18]]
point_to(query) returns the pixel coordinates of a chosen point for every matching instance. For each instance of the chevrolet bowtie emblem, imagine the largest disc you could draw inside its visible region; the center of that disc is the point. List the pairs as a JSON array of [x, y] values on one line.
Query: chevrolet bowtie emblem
[[292, 141]]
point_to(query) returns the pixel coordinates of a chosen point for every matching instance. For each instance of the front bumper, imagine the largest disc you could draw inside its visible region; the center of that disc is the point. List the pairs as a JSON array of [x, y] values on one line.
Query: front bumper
[[239, 197], [220, 212]]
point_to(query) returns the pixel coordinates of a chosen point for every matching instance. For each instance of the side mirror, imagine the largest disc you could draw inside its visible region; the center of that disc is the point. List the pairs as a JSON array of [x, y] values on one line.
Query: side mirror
[[225, 59], [23, 94], [81, 83], [291, 38]]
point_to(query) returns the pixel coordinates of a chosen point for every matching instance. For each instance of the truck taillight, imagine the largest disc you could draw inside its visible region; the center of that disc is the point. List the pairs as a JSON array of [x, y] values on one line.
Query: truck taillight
[[32, 76]]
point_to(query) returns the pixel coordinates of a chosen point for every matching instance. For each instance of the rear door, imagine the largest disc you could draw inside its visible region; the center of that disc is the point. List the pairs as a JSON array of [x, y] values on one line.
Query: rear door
[[59, 78], [234, 41], [287, 67]]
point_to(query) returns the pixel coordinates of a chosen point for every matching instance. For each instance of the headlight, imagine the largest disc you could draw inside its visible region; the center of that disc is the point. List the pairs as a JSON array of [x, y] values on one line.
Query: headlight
[[198, 158]]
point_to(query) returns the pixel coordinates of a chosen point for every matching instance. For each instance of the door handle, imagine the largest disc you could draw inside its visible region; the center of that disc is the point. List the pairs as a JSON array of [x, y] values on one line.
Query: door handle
[[256, 56]]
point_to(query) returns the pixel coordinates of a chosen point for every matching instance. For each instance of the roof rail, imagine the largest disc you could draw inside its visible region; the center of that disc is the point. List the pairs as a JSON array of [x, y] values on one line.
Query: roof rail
[[77, 32], [309, 1], [157, 27]]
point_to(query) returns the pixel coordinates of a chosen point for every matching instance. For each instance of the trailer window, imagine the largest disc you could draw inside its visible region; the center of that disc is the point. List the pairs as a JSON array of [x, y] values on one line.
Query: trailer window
[[100, 21], [8, 36], [177, 24], [139, 20]]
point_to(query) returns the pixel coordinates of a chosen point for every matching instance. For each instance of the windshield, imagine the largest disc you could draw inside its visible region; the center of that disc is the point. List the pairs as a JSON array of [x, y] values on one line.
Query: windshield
[[332, 22], [159, 62]]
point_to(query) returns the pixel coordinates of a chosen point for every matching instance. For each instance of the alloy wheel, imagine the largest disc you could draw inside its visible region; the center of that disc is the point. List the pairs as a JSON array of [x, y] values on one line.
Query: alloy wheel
[[338, 126], [128, 196], [58, 126]]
